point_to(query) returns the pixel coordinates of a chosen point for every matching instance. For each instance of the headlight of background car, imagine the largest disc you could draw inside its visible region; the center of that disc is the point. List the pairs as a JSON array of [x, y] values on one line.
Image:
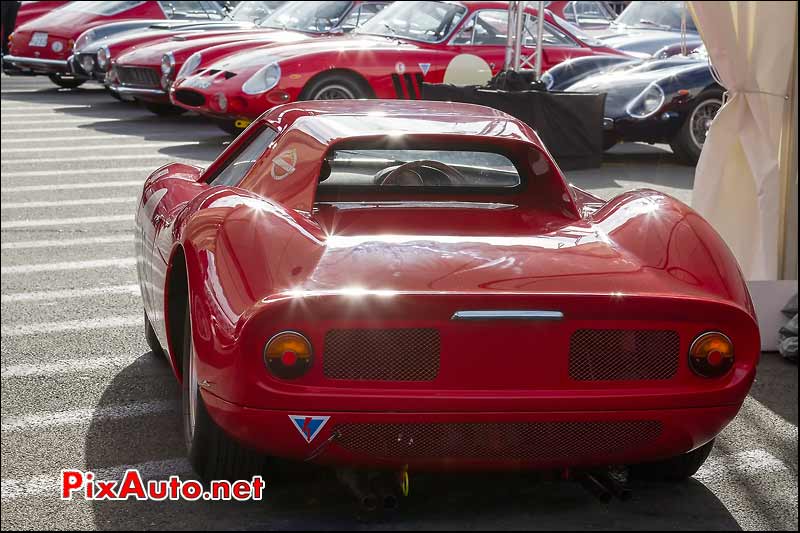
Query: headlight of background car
[[167, 63], [647, 103], [103, 56], [190, 65], [548, 80], [263, 80], [84, 39]]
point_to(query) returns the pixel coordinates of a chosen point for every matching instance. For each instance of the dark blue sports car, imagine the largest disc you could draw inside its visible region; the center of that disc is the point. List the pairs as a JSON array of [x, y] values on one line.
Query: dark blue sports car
[[670, 100]]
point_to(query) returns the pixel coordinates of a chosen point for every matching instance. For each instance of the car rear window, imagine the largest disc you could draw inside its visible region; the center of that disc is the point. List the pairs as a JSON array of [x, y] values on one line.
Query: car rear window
[[418, 168]]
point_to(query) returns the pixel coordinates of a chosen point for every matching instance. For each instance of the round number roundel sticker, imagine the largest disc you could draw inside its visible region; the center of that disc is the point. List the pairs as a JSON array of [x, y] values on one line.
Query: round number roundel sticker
[[400, 68]]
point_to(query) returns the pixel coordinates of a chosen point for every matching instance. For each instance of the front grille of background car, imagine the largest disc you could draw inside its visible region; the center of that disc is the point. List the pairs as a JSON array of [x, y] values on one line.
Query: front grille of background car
[[138, 77], [513, 441], [410, 354], [617, 354], [188, 97]]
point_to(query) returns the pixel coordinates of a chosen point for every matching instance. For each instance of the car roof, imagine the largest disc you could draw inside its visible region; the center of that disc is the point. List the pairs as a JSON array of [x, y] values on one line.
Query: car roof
[[332, 121]]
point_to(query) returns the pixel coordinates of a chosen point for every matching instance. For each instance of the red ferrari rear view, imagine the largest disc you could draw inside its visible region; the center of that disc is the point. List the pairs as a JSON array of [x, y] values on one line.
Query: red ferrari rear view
[[396, 284]]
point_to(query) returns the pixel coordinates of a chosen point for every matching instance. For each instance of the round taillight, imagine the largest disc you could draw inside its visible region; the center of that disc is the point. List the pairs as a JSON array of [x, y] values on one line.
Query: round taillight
[[288, 355], [711, 355]]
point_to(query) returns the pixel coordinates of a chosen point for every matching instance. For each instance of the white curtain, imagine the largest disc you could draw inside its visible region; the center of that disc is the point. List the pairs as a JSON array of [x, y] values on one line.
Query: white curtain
[[742, 181]]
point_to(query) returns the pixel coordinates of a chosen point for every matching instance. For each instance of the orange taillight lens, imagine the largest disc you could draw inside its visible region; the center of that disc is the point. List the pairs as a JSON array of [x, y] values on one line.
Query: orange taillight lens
[[288, 355], [711, 355]]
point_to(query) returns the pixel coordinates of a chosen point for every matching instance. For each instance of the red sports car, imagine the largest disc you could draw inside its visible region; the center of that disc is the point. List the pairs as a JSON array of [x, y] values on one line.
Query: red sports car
[[146, 72], [388, 57], [43, 45], [395, 284]]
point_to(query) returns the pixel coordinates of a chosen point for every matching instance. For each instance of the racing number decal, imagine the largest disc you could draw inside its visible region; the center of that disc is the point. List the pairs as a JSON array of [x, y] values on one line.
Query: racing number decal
[[284, 164]]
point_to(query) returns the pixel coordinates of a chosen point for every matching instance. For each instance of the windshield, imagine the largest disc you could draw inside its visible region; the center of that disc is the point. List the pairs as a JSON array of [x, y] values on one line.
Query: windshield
[[576, 31], [420, 21], [656, 15], [420, 168], [314, 17], [254, 11], [100, 8]]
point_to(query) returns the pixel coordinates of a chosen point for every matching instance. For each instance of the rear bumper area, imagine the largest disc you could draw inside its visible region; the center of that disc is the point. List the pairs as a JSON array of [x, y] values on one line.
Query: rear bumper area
[[21, 66], [475, 440]]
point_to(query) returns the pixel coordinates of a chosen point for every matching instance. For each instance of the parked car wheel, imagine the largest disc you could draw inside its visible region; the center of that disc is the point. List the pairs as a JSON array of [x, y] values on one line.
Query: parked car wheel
[[152, 340], [165, 110], [675, 468], [213, 454], [692, 135], [334, 87], [67, 82]]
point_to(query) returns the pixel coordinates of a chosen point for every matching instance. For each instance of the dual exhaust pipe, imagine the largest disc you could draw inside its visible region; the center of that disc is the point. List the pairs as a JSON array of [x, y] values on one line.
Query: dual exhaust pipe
[[374, 492]]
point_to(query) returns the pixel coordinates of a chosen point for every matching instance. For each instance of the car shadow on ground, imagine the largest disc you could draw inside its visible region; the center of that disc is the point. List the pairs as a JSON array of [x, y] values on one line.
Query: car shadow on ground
[[307, 497]]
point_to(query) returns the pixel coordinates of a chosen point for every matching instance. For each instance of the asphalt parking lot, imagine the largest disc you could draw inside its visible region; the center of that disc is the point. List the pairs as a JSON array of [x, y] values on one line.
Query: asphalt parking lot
[[80, 388]]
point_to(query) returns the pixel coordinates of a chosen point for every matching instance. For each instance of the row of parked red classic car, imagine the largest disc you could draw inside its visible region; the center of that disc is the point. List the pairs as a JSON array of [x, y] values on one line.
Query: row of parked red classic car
[[231, 67]]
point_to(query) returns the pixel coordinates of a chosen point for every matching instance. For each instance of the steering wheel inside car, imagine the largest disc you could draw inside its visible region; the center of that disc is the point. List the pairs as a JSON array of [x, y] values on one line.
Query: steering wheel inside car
[[420, 173]]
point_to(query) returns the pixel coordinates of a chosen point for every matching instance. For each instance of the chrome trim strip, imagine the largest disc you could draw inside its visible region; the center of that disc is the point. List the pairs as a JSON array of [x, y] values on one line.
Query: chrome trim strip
[[34, 61], [520, 314], [121, 89]]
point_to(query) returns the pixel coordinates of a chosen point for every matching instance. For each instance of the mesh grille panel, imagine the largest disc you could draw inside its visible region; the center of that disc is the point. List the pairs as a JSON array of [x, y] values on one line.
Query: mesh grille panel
[[138, 77], [382, 354], [615, 354], [499, 441]]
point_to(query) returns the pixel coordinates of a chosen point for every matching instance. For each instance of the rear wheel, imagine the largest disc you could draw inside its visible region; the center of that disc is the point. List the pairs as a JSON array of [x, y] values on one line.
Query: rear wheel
[[213, 454], [689, 141], [334, 87], [164, 110], [676, 468], [67, 82]]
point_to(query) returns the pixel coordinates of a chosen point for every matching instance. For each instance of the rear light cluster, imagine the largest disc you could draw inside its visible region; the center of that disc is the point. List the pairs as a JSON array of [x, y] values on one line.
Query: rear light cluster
[[288, 355], [711, 355]]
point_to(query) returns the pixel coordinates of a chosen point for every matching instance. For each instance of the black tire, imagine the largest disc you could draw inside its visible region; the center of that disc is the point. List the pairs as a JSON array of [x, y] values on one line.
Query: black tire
[[213, 454], [334, 87], [609, 142], [67, 82], [685, 144], [152, 339], [164, 110], [674, 469]]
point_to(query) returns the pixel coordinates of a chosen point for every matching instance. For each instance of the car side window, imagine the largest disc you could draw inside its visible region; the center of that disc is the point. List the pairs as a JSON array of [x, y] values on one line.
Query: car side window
[[487, 28], [551, 36], [243, 161]]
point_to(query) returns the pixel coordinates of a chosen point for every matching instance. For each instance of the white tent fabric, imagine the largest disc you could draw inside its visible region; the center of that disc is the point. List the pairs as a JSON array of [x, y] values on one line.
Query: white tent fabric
[[742, 183]]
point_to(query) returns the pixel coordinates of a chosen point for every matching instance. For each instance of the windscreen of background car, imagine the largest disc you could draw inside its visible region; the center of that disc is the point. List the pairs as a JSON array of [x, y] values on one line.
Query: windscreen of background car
[[419, 168], [429, 22], [100, 8], [314, 17], [656, 15], [254, 11], [192, 10]]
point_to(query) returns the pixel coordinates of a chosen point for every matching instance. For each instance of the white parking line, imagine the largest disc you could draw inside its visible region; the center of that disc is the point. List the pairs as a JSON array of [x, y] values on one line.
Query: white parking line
[[80, 172], [61, 243], [38, 223], [114, 147], [44, 296], [71, 366], [51, 485], [72, 186], [745, 464], [40, 160], [72, 325], [66, 203], [119, 262], [83, 416], [64, 120], [44, 105]]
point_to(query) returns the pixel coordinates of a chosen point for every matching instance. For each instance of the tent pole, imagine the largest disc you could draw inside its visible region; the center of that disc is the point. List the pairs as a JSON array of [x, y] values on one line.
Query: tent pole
[[518, 35], [539, 39], [510, 36]]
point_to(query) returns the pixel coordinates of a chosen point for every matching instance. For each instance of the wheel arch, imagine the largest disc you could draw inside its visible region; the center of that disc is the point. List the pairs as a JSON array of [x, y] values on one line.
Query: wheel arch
[[345, 72], [176, 297]]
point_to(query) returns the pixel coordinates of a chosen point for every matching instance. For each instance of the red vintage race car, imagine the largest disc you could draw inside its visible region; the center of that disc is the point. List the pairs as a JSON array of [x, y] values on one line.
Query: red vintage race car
[[146, 72], [94, 51], [390, 284], [388, 57], [43, 45]]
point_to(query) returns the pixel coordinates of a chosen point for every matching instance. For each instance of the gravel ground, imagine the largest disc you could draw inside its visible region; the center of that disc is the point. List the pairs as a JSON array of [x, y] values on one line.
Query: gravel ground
[[81, 390]]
